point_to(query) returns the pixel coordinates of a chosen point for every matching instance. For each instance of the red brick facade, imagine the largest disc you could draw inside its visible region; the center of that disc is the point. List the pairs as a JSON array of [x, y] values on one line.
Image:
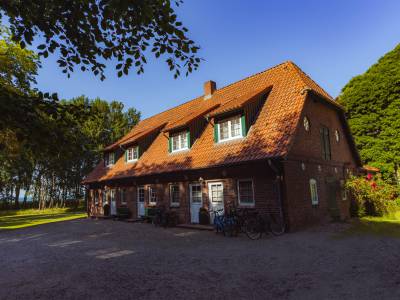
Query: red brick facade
[[277, 152]]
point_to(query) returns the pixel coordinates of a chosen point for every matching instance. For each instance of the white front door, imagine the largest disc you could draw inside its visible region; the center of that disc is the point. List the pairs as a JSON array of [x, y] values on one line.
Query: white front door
[[196, 201], [216, 197], [140, 201], [113, 204]]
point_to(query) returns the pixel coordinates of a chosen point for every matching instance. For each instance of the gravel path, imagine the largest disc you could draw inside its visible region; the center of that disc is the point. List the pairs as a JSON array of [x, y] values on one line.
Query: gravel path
[[89, 259]]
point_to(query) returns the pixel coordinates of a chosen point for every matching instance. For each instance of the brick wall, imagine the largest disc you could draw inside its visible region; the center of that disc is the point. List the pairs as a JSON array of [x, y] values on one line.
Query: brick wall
[[306, 151], [265, 192]]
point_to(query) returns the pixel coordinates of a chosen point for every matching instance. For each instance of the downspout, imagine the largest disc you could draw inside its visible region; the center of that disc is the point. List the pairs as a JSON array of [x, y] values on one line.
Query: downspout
[[279, 177]]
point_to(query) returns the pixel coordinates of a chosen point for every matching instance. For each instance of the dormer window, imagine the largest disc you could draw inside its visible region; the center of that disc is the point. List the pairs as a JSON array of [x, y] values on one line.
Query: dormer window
[[230, 129], [109, 159], [132, 154], [179, 141]]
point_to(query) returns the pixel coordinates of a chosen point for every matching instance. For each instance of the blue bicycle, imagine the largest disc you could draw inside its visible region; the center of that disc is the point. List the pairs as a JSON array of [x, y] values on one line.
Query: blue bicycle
[[226, 224]]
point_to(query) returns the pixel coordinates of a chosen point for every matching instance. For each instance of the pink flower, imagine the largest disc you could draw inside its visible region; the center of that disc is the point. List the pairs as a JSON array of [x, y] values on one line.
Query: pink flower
[[373, 185], [369, 176]]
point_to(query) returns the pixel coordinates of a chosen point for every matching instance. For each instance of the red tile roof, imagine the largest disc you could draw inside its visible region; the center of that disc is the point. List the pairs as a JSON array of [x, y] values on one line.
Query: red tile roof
[[269, 136]]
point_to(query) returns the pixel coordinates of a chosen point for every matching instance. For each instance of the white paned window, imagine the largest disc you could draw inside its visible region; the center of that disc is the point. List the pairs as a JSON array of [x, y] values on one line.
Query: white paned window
[[152, 196], [132, 154], [314, 191], [246, 192], [196, 194], [110, 159], [230, 129], [174, 194], [141, 194], [217, 193], [179, 141]]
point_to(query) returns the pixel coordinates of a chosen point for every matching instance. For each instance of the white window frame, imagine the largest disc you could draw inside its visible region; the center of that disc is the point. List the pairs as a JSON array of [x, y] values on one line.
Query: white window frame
[[122, 196], [180, 138], [133, 150], [96, 197], [210, 186], [152, 190], [314, 191], [343, 190], [110, 154], [191, 191], [246, 204], [174, 204], [139, 189], [229, 121]]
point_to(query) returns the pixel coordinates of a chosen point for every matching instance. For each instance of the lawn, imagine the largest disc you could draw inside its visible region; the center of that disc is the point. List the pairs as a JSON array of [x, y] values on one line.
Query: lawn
[[14, 219], [384, 226]]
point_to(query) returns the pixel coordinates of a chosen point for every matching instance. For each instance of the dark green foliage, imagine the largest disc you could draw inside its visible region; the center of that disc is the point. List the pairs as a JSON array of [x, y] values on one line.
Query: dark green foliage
[[86, 33], [372, 102]]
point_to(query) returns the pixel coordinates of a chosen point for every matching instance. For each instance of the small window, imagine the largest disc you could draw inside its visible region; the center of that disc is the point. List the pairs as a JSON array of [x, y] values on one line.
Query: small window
[[110, 159], [96, 197], [132, 154], [314, 192], [325, 143], [122, 195], [217, 192], [179, 141], [306, 124], [230, 129], [195, 193], [152, 196], [174, 194], [246, 192], [337, 136], [141, 194]]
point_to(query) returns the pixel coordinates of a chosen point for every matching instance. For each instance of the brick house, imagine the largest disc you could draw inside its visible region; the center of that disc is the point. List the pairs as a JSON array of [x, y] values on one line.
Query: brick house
[[275, 142]]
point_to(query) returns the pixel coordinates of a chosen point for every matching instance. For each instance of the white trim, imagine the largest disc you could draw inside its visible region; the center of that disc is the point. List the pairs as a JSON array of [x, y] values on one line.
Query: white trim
[[140, 187], [210, 184], [230, 138], [314, 187], [252, 188], [179, 135], [127, 154], [151, 189], [174, 204]]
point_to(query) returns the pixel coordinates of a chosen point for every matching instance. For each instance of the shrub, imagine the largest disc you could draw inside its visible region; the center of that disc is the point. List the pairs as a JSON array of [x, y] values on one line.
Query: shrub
[[372, 196]]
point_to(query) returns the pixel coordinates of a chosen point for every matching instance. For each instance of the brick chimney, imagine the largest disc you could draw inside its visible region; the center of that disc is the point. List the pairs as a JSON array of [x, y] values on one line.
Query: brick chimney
[[209, 89]]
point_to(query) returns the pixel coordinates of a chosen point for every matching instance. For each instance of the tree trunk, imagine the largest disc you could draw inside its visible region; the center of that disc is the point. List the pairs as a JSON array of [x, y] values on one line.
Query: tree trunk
[[17, 192]]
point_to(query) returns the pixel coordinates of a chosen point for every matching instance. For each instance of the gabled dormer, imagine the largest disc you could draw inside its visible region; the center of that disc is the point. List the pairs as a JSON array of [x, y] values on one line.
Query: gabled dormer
[[233, 119]]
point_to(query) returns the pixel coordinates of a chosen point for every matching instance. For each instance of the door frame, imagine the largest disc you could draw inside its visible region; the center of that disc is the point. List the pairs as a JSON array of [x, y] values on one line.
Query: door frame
[[210, 206], [190, 197], [141, 187]]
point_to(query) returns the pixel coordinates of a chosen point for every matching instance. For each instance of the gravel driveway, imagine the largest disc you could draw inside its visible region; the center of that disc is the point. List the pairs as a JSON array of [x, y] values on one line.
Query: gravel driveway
[[104, 259]]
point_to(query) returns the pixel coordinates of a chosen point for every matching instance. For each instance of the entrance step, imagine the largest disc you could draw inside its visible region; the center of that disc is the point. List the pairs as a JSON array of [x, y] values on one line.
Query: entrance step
[[196, 226]]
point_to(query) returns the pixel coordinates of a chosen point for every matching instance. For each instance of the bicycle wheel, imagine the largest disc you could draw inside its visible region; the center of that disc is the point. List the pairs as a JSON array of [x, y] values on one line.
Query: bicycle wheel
[[276, 225], [252, 229]]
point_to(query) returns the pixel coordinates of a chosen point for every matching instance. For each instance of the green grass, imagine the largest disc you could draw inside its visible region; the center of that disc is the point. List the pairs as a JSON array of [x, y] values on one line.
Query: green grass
[[381, 226], [14, 219]]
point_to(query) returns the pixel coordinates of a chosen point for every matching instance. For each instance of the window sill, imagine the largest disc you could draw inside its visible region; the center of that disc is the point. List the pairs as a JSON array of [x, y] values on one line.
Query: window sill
[[174, 205], [247, 205], [231, 139], [179, 151], [131, 161]]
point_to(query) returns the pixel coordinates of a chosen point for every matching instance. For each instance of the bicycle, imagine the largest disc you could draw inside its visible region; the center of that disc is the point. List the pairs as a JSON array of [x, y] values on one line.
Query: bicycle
[[268, 223]]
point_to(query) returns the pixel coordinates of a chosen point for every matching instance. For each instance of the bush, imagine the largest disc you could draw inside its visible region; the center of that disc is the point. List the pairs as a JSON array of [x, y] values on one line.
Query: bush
[[372, 196]]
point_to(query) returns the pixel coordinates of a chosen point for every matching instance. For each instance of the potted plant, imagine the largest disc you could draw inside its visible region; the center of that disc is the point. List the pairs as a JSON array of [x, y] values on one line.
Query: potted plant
[[204, 217]]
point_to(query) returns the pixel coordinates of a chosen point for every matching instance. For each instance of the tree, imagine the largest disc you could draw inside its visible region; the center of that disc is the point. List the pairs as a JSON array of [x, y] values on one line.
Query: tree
[[372, 102], [86, 33]]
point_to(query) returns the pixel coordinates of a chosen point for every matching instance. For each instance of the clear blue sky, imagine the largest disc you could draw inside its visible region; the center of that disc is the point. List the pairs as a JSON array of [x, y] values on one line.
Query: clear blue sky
[[332, 41]]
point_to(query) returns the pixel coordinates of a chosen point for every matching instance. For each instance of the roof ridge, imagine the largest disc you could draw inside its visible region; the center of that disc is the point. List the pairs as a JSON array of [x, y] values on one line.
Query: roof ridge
[[300, 72], [222, 88]]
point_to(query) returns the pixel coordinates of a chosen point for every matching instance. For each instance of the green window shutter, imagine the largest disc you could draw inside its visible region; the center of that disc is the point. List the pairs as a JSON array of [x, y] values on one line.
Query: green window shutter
[[188, 138], [216, 133], [169, 145], [126, 155], [244, 129], [139, 153]]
